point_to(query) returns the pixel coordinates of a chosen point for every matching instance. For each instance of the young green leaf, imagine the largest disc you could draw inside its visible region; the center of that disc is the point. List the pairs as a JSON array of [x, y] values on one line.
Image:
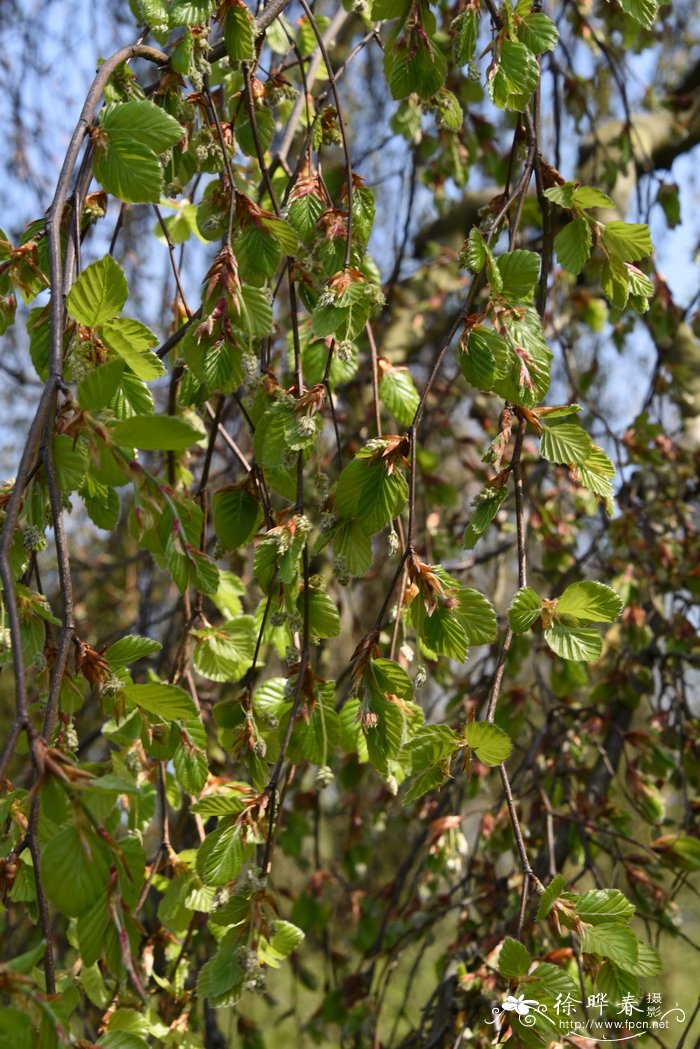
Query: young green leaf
[[164, 433], [525, 609], [590, 602], [565, 443], [133, 342], [99, 293], [489, 742], [573, 245], [514, 959], [576, 643], [165, 701], [550, 895]]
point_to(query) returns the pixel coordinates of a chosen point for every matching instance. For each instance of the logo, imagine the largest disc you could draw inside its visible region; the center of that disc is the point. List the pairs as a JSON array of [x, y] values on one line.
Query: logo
[[599, 1018]]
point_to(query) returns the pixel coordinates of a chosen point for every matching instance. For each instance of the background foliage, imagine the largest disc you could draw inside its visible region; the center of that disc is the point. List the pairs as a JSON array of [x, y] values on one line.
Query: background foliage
[[349, 622]]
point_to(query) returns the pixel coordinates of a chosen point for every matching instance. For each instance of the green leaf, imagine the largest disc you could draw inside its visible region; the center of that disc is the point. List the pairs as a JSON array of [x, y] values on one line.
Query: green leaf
[[628, 240], [99, 293], [590, 197], [613, 941], [129, 171], [614, 280], [486, 506], [428, 779], [643, 11], [133, 342], [538, 33], [221, 856], [515, 76], [595, 474], [100, 385], [74, 870], [351, 542], [285, 938], [224, 652], [166, 701], [514, 959], [575, 643], [550, 895], [474, 252], [525, 609], [648, 961], [70, 463], [562, 195], [221, 977], [130, 648], [484, 359], [324, 620], [565, 443], [399, 394], [489, 742], [415, 64], [190, 758], [239, 32], [519, 271], [236, 515], [477, 617], [164, 433], [432, 745], [573, 245], [590, 602], [143, 122], [465, 28], [191, 12], [367, 491], [615, 982], [601, 906], [441, 633]]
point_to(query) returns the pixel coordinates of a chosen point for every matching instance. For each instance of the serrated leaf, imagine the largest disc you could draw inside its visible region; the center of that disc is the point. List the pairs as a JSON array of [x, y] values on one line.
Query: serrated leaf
[[432, 745], [239, 32], [465, 29], [613, 941], [565, 443], [100, 385], [489, 742], [70, 462], [158, 433], [487, 505], [514, 959], [415, 64], [133, 342], [130, 648], [643, 11], [563, 195], [590, 602], [538, 33], [550, 895], [221, 856], [285, 938], [74, 870], [324, 620], [573, 245], [351, 542], [366, 491], [221, 977], [515, 76], [477, 616], [576, 643], [484, 357], [590, 197], [236, 516], [143, 122], [602, 906], [648, 961], [166, 701], [474, 252], [519, 271], [99, 293], [525, 609], [628, 240], [129, 171], [398, 393], [614, 280], [224, 652], [427, 780], [190, 758], [595, 474], [615, 982]]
